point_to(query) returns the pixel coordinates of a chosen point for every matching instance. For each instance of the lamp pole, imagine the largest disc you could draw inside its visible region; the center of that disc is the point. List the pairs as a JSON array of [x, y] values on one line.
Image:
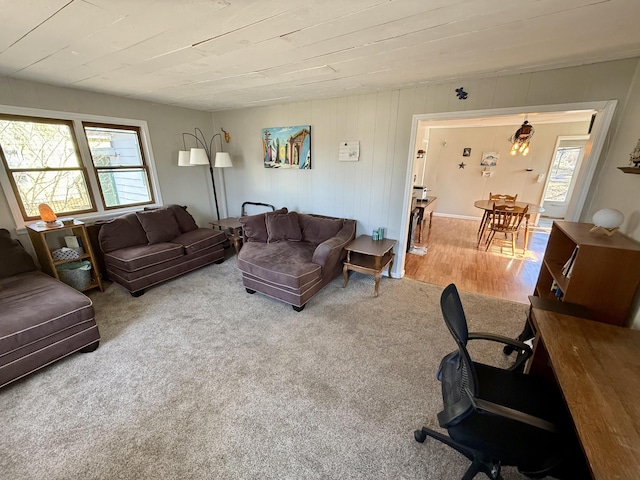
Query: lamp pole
[[208, 149]]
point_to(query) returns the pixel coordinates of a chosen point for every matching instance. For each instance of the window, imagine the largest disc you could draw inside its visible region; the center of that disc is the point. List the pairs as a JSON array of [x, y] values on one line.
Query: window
[[117, 157], [42, 161], [81, 165], [562, 170]]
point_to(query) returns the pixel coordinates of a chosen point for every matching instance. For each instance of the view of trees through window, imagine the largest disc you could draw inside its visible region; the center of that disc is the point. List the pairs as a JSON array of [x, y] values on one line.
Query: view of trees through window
[[561, 173], [44, 166]]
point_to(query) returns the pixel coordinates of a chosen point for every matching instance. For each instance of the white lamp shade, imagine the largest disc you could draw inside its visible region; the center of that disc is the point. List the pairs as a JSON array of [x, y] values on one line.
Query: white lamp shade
[[608, 218], [183, 158], [223, 160], [198, 157]]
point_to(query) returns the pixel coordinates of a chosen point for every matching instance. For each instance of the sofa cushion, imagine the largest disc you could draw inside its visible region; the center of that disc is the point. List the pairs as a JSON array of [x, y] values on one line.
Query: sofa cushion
[[184, 218], [283, 263], [318, 229], [134, 258], [121, 232], [14, 259], [283, 226], [254, 227], [200, 239], [159, 225], [154, 274], [35, 306]]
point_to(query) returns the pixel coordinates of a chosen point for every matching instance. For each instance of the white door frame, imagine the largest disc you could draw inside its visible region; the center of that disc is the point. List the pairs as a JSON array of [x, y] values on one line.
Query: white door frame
[[594, 147], [576, 172]]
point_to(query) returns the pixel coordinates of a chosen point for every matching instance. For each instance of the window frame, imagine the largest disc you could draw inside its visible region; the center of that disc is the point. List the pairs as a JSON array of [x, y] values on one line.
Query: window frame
[[81, 167], [100, 212], [143, 166]]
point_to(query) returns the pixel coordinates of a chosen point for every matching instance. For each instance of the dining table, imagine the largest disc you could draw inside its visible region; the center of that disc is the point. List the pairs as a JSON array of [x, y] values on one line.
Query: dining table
[[534, 209]]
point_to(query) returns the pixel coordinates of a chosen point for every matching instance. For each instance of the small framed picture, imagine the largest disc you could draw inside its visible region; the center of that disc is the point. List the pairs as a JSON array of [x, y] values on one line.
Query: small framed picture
[[466, 152], [489, 159]]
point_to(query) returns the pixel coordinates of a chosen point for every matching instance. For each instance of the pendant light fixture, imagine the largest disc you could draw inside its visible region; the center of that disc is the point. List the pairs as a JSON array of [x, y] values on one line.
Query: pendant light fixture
[[521, 138]]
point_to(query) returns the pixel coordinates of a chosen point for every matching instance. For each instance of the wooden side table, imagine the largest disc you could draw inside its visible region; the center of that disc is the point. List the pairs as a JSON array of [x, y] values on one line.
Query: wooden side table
[[38, 234], [369, 256], [233, 228]]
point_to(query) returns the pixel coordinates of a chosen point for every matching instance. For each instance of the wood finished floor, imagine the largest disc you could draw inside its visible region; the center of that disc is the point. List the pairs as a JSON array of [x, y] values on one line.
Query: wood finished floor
[[452, 257]]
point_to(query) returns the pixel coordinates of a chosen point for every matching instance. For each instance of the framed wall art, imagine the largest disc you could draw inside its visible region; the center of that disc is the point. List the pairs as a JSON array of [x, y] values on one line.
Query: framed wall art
[[287, 147], [489, 159]]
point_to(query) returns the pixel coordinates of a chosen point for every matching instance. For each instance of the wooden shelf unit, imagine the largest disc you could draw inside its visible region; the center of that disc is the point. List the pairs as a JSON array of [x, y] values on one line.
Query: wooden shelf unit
[[605, 273], [635, 170], [38, 235]]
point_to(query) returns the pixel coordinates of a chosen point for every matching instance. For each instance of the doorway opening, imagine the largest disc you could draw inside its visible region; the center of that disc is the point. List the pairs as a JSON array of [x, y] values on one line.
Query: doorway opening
[[561, 177], [418, 171]]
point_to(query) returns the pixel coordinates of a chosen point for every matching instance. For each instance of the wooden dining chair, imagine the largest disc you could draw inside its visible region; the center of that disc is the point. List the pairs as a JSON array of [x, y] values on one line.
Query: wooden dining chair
[[498, 197], [505, 219]]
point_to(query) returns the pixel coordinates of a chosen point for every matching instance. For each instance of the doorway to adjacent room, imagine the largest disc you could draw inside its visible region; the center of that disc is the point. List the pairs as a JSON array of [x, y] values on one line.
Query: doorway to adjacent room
[[509, 278]]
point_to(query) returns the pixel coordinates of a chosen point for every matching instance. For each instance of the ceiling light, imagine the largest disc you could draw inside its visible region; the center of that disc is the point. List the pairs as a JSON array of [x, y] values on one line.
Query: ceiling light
[[521, 138]]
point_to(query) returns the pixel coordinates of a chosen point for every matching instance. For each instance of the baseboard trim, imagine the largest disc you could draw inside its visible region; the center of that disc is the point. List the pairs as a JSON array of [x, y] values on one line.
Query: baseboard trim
[[453, 215]]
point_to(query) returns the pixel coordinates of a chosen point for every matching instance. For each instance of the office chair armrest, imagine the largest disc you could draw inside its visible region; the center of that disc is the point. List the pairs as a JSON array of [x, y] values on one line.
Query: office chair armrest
[[524, 350], [510, 413]]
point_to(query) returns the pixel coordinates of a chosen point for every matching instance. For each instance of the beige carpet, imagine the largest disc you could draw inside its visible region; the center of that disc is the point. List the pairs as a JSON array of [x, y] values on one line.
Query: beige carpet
[[198, 380]]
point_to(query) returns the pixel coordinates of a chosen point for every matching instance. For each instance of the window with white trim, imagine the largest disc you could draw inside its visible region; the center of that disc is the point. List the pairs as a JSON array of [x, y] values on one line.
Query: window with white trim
[[122, 173], [81, 167]]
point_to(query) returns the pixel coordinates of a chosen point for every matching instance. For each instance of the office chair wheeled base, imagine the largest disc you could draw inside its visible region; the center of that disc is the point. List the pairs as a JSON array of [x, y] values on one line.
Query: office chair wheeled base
[[490, 468]]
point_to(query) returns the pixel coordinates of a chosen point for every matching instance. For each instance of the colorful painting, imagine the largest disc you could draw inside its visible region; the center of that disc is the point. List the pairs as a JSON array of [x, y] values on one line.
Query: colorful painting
[[489, 159], [287, 147]]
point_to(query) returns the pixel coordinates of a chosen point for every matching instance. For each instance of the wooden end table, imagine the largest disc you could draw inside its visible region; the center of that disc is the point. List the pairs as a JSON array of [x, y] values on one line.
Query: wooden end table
[[233, 228], [370, 257], [38, 235]]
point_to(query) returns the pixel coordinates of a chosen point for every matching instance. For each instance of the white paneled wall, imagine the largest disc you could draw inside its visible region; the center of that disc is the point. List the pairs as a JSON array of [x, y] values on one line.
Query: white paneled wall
[[372, 190], [331, 187]]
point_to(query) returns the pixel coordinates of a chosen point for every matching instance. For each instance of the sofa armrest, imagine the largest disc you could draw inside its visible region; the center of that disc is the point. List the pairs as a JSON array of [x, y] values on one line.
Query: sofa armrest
[[331, 251]]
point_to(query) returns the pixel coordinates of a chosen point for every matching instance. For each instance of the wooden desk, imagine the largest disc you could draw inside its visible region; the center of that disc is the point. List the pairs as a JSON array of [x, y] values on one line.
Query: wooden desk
[[369, 256], [597, 367], [487, 206]]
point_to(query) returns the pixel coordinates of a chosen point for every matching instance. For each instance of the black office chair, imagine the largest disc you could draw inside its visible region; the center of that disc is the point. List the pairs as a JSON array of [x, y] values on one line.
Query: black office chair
[[497, 416]]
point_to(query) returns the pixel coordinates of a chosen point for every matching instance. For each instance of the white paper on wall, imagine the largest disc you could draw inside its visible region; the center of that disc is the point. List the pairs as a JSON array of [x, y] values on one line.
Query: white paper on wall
[[349, 151]]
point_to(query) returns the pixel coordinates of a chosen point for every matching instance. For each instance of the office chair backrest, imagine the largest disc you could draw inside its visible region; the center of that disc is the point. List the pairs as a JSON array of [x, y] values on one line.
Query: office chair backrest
[[456, 321]]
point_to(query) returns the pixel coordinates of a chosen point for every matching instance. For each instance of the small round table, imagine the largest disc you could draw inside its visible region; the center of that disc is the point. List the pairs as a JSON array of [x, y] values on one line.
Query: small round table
[[487, 206]]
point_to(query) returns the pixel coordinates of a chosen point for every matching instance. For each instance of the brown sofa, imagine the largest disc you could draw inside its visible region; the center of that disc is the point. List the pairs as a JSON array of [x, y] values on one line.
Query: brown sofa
[[292, 256], [142, 249], [41, 319]]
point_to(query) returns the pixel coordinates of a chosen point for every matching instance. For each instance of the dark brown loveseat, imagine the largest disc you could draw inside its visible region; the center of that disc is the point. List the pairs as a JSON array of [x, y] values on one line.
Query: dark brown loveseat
[[41, 319], [142, 249], [292, 256]]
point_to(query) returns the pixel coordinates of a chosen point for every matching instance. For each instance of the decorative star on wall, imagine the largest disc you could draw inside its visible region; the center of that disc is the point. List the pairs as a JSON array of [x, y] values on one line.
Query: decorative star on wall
[[461, 165], [462, 95]]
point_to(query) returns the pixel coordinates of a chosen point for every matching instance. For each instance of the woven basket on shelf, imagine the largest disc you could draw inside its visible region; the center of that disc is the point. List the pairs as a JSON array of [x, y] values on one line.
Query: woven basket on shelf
[[65, 253]]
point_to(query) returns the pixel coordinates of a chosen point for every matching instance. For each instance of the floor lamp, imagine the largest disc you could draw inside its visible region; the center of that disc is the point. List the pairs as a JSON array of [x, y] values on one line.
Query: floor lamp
[[201, 155]]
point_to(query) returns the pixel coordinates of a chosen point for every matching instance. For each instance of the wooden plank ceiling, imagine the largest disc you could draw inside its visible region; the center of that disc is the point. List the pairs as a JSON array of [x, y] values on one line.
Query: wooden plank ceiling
[[225, 54]]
